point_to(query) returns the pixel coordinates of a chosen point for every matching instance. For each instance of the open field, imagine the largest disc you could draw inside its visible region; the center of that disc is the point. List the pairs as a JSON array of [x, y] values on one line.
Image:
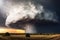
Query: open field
[[32, 37]]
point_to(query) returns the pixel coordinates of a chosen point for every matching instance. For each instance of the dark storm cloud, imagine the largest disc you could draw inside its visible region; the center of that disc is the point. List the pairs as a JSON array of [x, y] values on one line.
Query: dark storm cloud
[[54, 5], [2, 20], [48, 5], [51, 5]]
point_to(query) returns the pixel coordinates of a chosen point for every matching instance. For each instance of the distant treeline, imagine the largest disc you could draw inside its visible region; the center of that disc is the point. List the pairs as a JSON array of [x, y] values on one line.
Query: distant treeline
[[29, 33]]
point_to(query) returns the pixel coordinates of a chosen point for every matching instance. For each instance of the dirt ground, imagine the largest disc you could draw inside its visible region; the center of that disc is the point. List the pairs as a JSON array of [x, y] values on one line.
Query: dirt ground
[[32, 37]]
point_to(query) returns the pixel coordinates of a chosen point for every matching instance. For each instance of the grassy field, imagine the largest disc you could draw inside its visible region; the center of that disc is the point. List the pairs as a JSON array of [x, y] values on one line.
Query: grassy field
[[32, 37]]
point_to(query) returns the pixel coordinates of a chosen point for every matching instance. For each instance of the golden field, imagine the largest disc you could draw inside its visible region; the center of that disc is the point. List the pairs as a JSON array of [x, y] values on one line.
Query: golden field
[[19, 34], [32, 37]]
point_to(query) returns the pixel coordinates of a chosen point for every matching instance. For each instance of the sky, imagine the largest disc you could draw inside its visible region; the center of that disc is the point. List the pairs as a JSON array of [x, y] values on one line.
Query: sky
[[54, 28], [52, 5]]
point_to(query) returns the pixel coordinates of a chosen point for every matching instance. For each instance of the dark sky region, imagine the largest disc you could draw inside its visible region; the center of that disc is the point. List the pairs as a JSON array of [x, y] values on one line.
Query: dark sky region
[[52, 5]]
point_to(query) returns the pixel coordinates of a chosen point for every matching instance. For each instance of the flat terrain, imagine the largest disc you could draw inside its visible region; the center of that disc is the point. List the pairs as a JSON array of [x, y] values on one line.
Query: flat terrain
[[32, 37]]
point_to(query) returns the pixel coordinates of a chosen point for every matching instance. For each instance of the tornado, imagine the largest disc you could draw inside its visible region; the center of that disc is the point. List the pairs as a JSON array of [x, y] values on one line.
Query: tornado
[[24, 14]]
